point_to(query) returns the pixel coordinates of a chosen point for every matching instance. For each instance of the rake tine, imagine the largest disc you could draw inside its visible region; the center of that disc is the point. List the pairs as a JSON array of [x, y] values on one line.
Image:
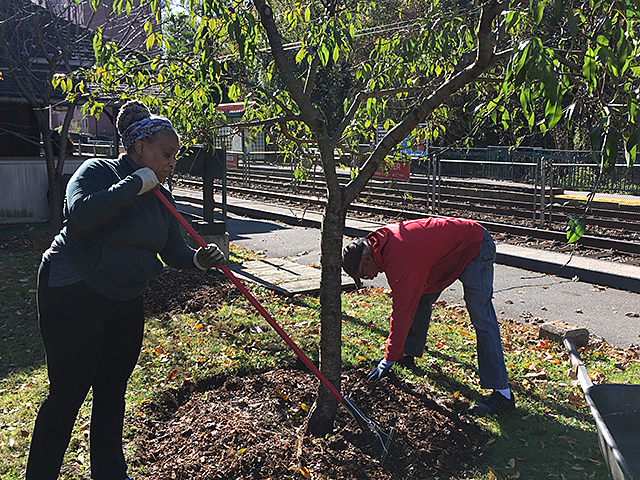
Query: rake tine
[[370, 428]]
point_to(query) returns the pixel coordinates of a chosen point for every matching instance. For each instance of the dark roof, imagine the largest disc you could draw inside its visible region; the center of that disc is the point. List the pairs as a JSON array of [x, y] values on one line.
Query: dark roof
[[57, 34]]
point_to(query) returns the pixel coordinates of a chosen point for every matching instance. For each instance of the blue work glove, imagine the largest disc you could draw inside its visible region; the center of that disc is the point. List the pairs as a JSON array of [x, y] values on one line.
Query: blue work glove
[[380, 371], [206, 258]]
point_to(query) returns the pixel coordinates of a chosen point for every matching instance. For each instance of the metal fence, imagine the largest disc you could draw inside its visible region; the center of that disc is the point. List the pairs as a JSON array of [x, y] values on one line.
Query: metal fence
[[571, 170]]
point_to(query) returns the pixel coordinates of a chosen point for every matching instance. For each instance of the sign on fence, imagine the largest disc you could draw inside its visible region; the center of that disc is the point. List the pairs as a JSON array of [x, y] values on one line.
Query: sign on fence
[[232, 161], [398, 170]]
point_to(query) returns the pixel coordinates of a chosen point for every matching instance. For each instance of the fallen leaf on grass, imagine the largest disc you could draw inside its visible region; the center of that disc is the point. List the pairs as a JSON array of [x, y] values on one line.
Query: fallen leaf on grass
[[569, 439], [574, 399], [304, 471]]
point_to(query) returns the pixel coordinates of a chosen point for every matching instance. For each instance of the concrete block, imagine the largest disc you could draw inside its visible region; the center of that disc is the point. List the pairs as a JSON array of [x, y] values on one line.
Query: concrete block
[[559, 330]]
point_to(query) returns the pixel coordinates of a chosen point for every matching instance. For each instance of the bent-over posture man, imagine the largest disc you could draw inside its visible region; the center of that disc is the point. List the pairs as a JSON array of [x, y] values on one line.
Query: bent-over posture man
[[420, 259]]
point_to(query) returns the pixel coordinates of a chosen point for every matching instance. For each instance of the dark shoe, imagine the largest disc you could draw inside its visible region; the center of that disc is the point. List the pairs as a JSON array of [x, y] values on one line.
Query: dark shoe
[[407, 362], [494, 405]]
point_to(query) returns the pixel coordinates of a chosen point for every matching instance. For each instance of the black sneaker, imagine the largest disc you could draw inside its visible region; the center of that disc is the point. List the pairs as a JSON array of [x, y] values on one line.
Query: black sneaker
[[407, 362], [494, 405]]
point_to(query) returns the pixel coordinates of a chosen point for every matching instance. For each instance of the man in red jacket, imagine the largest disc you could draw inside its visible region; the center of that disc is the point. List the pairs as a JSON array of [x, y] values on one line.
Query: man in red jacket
[[420, 259]]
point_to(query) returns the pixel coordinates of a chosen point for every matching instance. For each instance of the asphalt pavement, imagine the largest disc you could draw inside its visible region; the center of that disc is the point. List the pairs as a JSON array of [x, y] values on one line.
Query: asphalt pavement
[[529, 284]]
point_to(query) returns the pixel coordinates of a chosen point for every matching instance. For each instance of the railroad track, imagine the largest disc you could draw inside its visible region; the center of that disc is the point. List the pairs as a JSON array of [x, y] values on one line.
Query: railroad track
[[503, 208]]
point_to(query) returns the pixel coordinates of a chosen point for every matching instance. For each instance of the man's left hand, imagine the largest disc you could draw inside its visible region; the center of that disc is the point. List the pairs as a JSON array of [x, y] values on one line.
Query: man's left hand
[[380, 371]]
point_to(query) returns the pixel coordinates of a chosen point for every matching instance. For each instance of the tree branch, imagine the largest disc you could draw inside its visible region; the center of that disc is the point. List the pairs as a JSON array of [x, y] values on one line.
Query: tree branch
[[485, 59]]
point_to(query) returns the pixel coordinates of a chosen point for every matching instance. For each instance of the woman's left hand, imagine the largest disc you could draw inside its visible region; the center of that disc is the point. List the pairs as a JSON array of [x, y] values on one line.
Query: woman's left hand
[[206, 258]]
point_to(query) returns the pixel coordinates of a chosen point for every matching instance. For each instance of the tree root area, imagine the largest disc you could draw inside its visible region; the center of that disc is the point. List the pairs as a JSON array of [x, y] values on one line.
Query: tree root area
[[253, 427]]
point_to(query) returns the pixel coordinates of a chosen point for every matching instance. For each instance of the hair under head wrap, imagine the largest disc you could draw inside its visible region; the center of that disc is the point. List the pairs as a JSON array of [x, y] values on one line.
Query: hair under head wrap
[[145, 128]]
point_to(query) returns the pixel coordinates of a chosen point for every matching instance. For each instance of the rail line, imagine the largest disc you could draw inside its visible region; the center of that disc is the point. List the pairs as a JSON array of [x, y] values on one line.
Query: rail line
[[509, 209]]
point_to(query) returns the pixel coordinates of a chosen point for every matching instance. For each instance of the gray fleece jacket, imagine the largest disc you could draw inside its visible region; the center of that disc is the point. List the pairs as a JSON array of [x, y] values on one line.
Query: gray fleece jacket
[[112, 236]]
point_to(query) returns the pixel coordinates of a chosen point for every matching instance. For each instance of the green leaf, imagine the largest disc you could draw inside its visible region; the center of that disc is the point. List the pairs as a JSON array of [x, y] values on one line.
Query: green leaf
[[560, 7], [553, 113], [610, 151], [589, 69], [538, 11], [575, 229], [595, 136]]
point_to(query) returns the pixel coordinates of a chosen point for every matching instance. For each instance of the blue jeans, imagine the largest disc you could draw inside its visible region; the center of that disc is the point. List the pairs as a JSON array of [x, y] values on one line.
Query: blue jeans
[[477, 280]]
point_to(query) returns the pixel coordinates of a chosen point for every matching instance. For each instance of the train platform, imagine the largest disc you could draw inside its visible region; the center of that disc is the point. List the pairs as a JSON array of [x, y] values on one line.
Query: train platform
[[530, 284], [606, 198]]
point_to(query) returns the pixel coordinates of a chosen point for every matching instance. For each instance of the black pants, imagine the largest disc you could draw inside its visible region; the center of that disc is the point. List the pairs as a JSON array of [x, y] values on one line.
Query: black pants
[[90, 341]]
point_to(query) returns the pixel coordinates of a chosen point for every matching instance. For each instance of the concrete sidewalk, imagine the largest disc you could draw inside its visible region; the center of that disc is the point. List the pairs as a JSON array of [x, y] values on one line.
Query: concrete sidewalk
[[529, 284], [609, 274]]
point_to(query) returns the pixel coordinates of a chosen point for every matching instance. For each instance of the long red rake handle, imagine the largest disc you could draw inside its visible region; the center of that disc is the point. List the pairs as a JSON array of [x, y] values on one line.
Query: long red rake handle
[[334, 391]]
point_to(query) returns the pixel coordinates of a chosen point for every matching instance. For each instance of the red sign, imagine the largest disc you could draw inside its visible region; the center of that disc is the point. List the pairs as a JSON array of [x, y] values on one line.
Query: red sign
[[232, 161], [397, 170]]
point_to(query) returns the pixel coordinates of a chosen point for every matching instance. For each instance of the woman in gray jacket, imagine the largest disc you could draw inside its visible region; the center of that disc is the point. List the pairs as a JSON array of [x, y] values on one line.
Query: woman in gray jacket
[[90, 286]]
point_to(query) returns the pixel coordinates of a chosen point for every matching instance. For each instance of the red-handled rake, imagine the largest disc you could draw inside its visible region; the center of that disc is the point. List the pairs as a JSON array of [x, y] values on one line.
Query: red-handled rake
[[368, 426]]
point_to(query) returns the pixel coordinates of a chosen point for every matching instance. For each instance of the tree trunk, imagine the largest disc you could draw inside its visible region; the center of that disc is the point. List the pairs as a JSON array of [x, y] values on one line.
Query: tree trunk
[[325, 407]]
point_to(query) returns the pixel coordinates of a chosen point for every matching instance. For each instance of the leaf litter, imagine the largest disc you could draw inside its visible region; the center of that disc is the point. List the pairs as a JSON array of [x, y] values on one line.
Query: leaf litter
[[252, 426]]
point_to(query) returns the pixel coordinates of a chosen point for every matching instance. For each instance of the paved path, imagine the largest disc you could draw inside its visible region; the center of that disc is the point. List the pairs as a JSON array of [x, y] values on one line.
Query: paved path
[[524, 289]]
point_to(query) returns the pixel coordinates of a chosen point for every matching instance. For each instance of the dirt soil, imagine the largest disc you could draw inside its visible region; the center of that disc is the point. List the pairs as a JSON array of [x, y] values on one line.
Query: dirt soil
[[253, 426]]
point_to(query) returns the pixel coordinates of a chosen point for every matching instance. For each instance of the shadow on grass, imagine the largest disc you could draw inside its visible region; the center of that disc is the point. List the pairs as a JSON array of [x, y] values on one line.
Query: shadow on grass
[[540, 439], [383, 332]]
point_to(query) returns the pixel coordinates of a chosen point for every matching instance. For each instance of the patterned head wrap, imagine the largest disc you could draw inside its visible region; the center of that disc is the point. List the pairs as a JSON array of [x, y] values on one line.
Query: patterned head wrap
[[145, 128]]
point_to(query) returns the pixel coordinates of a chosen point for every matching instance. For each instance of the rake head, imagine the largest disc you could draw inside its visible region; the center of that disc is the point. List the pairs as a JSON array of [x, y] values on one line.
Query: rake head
[[371, 429]]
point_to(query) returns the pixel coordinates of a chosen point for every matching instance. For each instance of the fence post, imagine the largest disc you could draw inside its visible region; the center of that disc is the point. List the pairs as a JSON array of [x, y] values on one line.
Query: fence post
[[551, 174], [245, 159], [543, 186]]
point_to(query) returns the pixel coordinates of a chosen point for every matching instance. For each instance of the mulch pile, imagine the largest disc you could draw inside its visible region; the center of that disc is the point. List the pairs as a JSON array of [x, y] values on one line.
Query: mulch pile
[[253, 426], [188, 291]]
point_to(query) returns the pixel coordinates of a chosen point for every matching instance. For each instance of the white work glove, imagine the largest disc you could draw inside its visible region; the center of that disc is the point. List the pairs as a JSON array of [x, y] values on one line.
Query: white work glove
[[149, 179], [206, 258]]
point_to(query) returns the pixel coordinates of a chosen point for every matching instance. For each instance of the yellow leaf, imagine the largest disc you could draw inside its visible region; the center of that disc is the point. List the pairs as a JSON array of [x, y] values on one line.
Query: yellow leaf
[[283, 396], [511, 463], [304, 407], [360, 357], [304, 471], [241, 451]]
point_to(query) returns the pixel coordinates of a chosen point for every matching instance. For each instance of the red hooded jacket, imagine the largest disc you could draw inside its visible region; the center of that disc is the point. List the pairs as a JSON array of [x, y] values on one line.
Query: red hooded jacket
[[418, 257]]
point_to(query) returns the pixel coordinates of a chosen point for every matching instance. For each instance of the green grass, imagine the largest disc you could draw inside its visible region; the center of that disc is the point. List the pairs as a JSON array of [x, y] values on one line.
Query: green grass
[[552, 435]]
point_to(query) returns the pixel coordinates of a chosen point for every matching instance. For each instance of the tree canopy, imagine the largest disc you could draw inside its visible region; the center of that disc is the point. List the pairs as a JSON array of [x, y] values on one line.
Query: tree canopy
[[321, 77]]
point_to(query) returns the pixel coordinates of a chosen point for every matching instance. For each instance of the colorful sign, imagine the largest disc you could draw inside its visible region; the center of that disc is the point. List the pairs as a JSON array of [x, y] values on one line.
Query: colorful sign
[[232, 161], [399, 170]]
